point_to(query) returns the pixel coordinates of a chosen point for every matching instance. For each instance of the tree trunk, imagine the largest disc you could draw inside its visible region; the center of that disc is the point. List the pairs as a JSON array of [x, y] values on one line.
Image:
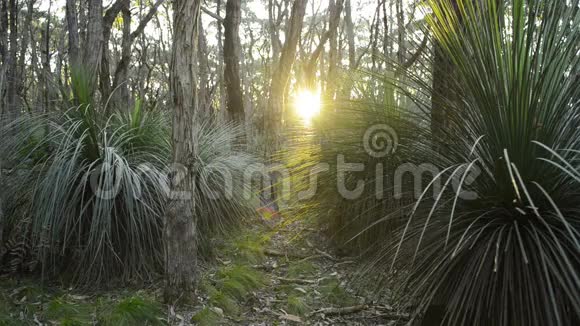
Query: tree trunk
[[205, 105], [333, 53], [122, 96], [73, 33], [94, 44], [350, 35], [108, 20], [11, 72], [181, 224], [334, 10], [273, 117], [280, 77], [232, 55]]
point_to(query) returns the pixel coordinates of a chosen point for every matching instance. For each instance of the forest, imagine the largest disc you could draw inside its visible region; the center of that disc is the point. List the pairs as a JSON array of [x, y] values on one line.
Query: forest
[[289, 162]]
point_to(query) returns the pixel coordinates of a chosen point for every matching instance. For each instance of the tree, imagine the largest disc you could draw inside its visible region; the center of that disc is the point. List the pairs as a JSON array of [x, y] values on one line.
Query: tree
[[281, 75], [232, 55], [94, 44], [73, 33], [181, 224]]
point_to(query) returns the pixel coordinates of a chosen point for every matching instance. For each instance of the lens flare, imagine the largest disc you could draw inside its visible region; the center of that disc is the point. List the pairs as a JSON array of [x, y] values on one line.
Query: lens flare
[[307, 104]]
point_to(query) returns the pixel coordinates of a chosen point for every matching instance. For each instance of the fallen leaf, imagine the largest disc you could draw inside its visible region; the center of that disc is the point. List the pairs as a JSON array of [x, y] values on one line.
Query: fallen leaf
[[293, 318], [300, 290]]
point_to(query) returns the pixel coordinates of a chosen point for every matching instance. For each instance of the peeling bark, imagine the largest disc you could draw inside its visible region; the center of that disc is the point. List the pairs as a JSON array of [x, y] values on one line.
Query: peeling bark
[[181, 224]]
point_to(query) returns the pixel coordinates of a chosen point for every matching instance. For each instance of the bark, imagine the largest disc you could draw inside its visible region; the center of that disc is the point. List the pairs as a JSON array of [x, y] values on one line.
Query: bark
[[120, 86], [21, 68], [94, 45], [11, 71], [122, 98], [273, 117], [401, 35], [205, 107], [181, 224], [108, 20], [232, 55], [350, 35], [280, 78], [333, 55], [3, 52], [334, 9], [73, 33], [46, 72]]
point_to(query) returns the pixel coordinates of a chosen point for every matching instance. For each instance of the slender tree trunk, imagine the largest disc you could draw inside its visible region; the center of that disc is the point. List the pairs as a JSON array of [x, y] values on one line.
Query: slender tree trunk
[[122, 97], [94, 44], [12, 71], [281, 76], [333, 53], [181, 224], [334, 10], [73, 33], [232, 54], [205, 107], [220, 60], [46, 71], [21, 68], [273, 117], [108, 20], [350, 35]]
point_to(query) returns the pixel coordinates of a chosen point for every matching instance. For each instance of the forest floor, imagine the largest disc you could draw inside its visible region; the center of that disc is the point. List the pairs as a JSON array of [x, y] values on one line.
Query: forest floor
[[268, 274]]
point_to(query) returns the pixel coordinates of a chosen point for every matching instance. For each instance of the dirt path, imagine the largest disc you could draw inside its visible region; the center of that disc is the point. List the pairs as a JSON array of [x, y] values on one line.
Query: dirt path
[[283, 276]]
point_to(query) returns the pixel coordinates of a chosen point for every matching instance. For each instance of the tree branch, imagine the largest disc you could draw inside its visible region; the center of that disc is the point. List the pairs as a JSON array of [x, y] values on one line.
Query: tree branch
[[146, 19], [212, 14]]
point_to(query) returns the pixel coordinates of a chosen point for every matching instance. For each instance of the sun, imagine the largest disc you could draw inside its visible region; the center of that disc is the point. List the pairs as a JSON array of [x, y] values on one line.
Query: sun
[[307, 104]]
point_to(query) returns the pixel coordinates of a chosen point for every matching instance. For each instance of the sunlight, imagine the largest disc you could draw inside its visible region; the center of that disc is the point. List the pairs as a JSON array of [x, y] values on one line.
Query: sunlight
[[307, 104]]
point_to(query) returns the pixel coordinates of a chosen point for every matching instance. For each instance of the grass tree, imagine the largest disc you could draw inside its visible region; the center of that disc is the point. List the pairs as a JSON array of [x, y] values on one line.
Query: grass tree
[[499, 243]]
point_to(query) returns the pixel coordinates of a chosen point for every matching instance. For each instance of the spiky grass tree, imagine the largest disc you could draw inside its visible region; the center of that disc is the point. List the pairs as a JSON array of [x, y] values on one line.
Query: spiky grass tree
[[95, 191], [499, 244]]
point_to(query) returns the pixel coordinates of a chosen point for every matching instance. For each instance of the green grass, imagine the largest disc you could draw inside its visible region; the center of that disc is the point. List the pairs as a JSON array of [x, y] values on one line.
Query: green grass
[[298, 305], [301, 269], [134, 310], [67, 312], [333, 293], [206, 317], [232, 286]]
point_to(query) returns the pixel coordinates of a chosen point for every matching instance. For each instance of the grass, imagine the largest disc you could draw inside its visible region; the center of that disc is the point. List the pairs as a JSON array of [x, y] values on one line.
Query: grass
[[301, 269], [133, 311], [23, 302], [66, 312], [207, 317], [333, 292]]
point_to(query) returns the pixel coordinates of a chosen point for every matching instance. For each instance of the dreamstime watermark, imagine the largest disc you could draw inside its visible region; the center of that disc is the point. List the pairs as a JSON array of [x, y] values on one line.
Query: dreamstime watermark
[[222, 180]]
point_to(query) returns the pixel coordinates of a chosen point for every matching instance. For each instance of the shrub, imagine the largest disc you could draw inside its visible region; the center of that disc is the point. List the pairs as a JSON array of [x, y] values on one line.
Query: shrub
[[97, 189], [507, 254], [96, 199]]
